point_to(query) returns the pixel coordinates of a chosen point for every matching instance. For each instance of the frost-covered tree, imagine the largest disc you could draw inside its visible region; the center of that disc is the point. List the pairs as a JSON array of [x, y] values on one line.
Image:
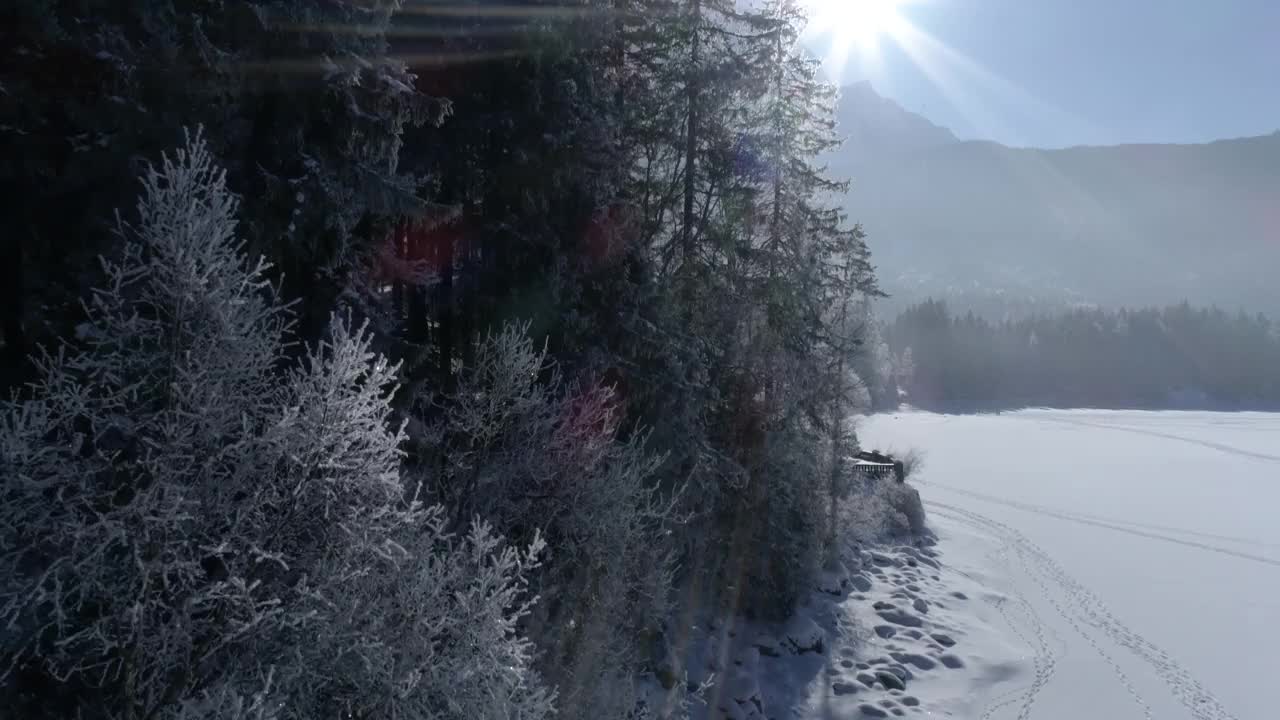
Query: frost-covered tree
[[607, 281], [520, 447], [188, 531], [306, 107], [775, 311]]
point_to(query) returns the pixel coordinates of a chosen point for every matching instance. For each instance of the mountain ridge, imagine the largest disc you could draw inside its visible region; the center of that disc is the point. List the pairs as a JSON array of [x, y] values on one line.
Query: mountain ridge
[[1127, 224], [864, 89]]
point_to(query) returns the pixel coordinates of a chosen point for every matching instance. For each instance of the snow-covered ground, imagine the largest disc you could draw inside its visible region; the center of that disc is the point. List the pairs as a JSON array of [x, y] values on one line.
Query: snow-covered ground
[[1112, 565]]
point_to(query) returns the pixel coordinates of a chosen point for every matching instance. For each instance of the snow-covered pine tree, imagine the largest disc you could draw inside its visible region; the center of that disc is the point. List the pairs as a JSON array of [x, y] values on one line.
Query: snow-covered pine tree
[[185, 531]]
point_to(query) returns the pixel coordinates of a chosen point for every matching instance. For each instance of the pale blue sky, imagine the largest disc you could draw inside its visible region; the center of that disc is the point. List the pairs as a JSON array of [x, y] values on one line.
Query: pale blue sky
[[1054, 73]]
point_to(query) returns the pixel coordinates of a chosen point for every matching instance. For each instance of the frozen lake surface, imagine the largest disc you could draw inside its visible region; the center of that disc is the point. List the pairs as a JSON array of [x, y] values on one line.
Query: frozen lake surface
[[1125, 564]]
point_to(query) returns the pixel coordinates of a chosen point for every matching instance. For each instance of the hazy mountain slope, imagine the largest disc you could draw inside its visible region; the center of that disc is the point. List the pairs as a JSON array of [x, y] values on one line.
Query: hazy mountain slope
[[869, 120], [1125, 224]]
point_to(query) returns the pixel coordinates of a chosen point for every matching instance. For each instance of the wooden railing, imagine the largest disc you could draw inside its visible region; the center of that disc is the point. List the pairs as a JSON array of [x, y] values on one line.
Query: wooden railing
[[875, 466]]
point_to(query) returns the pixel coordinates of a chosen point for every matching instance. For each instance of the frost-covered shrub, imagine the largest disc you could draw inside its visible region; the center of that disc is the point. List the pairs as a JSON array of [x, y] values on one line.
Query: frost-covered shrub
[[883, 510], [532, 453], [421, 624], [912, 463], [880, 511], [863, 519], [186, 531]]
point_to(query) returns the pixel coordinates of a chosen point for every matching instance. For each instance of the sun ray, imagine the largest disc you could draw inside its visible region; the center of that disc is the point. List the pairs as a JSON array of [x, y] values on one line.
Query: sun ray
[[976, 93], [851, 31], [950, 70]]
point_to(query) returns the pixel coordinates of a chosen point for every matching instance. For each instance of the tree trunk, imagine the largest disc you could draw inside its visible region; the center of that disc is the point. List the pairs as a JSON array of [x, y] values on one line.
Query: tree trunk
[[419, 320], [471, 264], [12, 364], [619, 51], [397, 282], [837, 424], [444, 308], [691, 134]]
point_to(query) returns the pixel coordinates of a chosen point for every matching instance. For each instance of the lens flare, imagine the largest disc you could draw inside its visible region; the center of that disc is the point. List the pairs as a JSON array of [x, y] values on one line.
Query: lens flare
[[855, 25]]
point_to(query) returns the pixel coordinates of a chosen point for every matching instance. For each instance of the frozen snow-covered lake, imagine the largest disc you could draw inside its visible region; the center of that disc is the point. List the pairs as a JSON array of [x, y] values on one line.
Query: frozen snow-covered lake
[[1142, 550]]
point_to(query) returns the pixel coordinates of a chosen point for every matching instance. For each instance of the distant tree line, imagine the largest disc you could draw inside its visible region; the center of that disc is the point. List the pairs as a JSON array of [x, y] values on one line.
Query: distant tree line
[[584, 254], [1153, 358]]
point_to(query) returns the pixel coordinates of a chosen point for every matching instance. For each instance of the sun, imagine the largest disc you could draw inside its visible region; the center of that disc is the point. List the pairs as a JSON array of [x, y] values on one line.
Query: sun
[[856, 25]]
